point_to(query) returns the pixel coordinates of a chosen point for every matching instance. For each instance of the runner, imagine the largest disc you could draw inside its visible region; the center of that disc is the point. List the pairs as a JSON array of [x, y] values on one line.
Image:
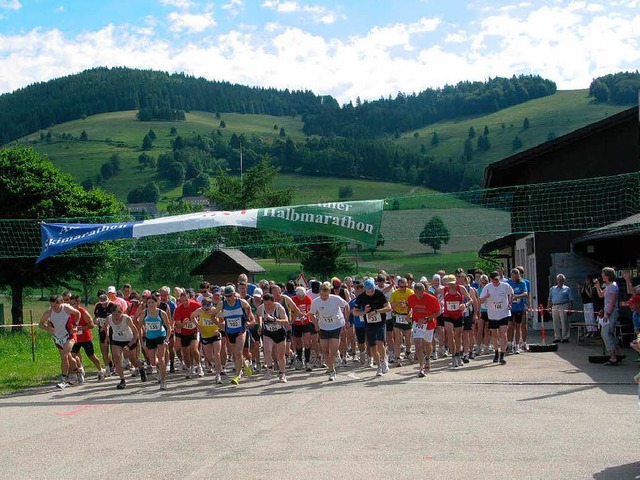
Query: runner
[[470, 316], [301, 329], [527, 308], [328, 313], [401, 321], [359, 327], [272, 319], [424, 308], [518, 314], [482, 325], [385, 284], [437, 290], [101, 311], [84, 339], [292, 312], [498, 296], [209, 329], [373, 306], [60, 321], [455, 304], [189, 334], [124, 341], [253, 337], [237, 315], [157, 328]]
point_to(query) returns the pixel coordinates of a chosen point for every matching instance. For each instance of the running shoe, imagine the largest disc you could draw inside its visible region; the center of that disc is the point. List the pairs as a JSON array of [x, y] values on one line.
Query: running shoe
[[434, 355], [496, 356], [80, 376], [63, 384], [421, 373], [385, 366], [465, 358], [516, 349], [163, 385], [267, 373], [297, 364], [379, 372], [122, 385], [236, 380], [399, 363], [200, 371], [143, 374], [101, 374], [309, 369], [332, 376], [502, 361], [218, 380], [472, 355], [135, 373], [283, 378]]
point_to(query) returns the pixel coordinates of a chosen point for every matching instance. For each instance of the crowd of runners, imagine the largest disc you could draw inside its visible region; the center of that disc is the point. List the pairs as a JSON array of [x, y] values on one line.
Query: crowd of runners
[[273, 329]]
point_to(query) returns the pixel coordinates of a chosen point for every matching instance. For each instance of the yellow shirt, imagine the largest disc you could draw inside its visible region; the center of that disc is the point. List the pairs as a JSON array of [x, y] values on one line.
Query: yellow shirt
[[209, 327], [400, 296]]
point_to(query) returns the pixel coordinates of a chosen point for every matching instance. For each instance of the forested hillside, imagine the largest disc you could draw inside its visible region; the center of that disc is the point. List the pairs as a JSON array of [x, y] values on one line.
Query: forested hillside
[[621, 88]]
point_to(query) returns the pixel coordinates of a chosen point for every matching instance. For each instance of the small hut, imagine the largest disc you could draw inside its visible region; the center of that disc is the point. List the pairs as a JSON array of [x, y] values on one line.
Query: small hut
[[224, 265]]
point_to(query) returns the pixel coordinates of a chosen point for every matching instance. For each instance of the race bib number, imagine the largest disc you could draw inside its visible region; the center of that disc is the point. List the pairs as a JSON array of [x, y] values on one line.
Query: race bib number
[[101, 321], [207, 322], [453, 306], [497, 305], [329, 319], [272, 327], [154, 326], [375, 318], [189, 325], [119, 336], [234, 322], [402, 319], [420, 326], [60, 341]]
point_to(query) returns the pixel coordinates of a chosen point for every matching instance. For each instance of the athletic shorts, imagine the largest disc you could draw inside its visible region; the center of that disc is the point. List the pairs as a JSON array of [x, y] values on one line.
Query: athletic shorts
[[457, 322], [484, 316], [153, 343], [254, 335], [61, 341], [186, 339], [87, 346], [277, 337], [330, 334], [517, 317], [177, 334], [299, 330], [312, 329], [208, 341], [102, 335], [375, 334], [495, 324], [223, 333], [440, 320], [232, 337], [389, 323], [123, 344], [422, 333], [401, 326], [361, 335], [288, 334], [467, 323]]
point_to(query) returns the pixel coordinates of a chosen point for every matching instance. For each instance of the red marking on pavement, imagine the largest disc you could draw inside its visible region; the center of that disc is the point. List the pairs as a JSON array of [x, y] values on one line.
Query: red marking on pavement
[[80, 409], [427, 458]]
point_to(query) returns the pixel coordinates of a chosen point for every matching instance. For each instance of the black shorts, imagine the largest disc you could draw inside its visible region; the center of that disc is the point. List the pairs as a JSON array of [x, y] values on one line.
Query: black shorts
[[495, 324], [330, 334], [153, 343], [232, 336], [102, 335], [187, 338], [88, 348], [375, 333], [254, 335], [389, 323], [440, 321], [208, 341], [312, 329], [467, 323], [457, 322], [300, 330], [401, 326], [361, 335], [287, 334], [277, 337], [484, 316], [517, 317], [177, 334], [223, 333], [123, 344]]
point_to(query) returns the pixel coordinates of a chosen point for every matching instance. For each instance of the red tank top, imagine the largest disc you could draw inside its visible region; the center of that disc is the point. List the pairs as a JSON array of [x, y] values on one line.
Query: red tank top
[[303, 304], [452, 302]]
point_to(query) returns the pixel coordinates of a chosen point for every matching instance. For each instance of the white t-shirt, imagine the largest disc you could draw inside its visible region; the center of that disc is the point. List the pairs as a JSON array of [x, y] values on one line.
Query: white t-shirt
[[498, 305], [329, 312]]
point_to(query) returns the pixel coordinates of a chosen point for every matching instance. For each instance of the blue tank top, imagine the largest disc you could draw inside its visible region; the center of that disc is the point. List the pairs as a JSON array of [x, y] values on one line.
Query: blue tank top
[[154, 327], [233, 316], [483, 306]]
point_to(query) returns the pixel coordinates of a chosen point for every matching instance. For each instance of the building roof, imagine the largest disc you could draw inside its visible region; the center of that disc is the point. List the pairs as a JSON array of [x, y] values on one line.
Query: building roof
[[227, 261], [148, 207], [500, 243], [624, 227], [522, 158]]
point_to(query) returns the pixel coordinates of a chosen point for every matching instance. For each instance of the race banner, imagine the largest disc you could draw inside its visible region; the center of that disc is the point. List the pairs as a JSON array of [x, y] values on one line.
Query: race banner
[[358, 221]]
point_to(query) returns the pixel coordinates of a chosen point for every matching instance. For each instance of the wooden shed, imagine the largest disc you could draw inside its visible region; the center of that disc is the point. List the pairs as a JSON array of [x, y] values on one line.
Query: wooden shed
[[224, 265]]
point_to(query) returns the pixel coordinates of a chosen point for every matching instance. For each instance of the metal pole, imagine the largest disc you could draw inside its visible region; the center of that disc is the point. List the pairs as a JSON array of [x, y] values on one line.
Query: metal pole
[[33, 337]]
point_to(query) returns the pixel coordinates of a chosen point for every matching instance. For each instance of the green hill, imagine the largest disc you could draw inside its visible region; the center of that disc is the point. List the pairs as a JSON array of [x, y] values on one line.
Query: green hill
[[555, 115]]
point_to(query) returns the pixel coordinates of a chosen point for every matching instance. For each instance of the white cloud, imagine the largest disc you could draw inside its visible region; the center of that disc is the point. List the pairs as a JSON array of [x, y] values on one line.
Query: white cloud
[[10, 4], [233, 7], [183, 4], [457, 37], [318, 13], [190, 22]]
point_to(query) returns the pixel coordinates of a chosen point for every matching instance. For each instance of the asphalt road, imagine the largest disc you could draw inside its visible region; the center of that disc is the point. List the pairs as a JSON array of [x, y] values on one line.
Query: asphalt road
[[543, 415]]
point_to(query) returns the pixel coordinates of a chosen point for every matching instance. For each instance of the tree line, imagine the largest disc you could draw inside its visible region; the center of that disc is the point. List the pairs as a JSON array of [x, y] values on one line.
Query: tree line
[[621, 88]]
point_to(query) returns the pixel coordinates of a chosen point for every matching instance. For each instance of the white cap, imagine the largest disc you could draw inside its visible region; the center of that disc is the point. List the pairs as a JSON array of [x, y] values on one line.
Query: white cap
[[111, 289], [257, 292], [423, 279]]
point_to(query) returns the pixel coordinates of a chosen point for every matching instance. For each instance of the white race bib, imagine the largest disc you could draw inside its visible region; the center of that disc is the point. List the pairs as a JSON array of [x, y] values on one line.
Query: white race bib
[[189, 325], [375, 318], [272, 327], [420, 326], [234, 322], [207, 322], [402, 319], [328, 319], [154, 326], [497, 305], [60, 341], [101, 321], [453, 306]]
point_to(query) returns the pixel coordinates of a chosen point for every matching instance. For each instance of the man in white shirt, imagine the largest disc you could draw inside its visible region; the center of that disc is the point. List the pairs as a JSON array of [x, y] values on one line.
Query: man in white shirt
[[498, 296]]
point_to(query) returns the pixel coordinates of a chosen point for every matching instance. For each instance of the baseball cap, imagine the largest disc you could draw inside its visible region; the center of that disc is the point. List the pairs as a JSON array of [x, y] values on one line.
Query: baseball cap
[[146, 294], [369, 284], [424, 279], [111, 289], [228, 290], [449, 279], [257, 292], [494, 274]]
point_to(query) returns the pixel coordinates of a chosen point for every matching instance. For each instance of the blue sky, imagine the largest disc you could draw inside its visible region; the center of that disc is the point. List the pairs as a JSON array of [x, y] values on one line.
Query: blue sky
[[342, 48]]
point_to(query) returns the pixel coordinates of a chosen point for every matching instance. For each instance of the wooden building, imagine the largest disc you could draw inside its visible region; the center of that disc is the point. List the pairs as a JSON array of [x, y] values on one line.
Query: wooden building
[[608, 147], [224, 265]]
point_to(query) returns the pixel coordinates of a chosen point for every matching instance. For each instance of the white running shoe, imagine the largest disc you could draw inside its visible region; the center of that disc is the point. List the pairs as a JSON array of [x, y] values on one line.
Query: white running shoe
[[385, 366], [218, 380], [63, 384], [163, 385], [332, 376], [101, 374], [283, 378], [200, 371], [379, 372]]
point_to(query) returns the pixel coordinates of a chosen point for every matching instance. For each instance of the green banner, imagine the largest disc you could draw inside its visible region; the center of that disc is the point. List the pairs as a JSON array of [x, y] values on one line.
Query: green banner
[[357, 221]]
